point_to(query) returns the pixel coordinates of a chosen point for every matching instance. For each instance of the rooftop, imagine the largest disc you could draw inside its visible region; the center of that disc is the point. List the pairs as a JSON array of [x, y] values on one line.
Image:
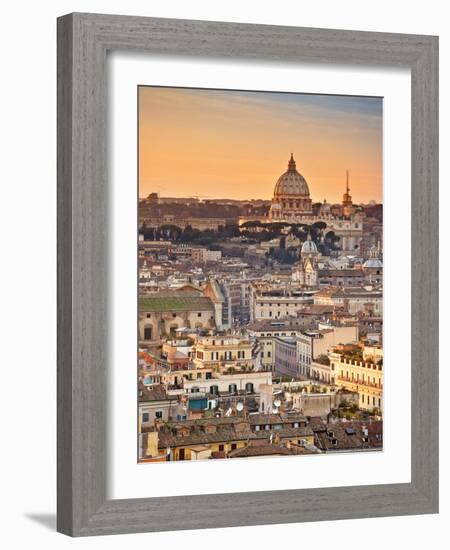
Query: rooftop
[[271, 326], [341, 273], [155, 392], [348, 292], [316, 309], [175, 301], [345, 436], [263, 450]]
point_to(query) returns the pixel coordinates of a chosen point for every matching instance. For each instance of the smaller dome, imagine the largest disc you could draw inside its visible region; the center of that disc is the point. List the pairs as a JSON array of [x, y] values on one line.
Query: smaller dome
[[309, 246], [325, 207], [373, 263]]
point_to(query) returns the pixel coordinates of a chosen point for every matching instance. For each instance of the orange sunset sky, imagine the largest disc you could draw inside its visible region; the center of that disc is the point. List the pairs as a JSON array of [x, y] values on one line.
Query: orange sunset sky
[[231, 144]]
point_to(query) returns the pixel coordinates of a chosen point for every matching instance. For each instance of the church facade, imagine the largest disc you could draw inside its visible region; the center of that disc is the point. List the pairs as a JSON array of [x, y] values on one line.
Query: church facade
[[306, 271], [292, 203]]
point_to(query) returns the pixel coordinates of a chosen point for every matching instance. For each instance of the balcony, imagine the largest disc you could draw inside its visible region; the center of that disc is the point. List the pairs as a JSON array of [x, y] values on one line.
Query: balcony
[[364, 383]]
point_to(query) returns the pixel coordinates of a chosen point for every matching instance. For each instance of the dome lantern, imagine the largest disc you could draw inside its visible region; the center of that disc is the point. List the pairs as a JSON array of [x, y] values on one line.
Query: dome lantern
[[292, 167]]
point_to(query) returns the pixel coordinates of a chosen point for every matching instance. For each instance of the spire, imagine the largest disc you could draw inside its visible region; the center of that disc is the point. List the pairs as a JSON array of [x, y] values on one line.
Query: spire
[[347, 198], [292, 166]]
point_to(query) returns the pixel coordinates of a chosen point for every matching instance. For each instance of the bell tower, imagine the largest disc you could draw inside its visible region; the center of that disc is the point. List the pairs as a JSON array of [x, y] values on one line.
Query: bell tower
[[347, 199]]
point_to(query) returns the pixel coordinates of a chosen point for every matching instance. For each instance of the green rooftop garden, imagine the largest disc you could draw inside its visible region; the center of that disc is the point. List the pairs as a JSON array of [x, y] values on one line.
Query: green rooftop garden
[[171, 303]]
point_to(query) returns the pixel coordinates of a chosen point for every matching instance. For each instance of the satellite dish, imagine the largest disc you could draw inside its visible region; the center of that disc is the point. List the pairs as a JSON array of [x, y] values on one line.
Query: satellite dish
[[277, 402], [274, 410], [240, 406]]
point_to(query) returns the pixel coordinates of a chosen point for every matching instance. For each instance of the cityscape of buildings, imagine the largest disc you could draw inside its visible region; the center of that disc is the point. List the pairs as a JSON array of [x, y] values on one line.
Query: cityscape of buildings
[[260, 324]]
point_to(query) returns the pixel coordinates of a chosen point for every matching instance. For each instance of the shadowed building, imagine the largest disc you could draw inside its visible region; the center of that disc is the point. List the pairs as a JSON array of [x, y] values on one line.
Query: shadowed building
[[163, 313]]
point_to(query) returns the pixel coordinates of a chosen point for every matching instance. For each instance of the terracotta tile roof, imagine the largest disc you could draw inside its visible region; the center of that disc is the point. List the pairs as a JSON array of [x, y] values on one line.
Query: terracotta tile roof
[[341, 273], [197, 435], [261, 450], [349, 436], [156, 392]]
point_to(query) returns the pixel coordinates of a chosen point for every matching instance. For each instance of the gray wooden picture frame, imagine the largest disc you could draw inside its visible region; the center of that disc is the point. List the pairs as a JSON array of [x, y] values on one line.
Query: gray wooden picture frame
[[83, 42]]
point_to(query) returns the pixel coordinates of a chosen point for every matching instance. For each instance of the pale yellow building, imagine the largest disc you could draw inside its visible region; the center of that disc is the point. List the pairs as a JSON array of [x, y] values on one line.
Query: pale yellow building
[[367, 299], [313, 343], [235, 383], [269, 301], [266, 332], [219, 352], [362, 375]]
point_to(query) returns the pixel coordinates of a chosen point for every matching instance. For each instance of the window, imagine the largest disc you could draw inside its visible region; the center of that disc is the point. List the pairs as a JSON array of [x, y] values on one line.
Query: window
[[145, 417], [199, 314], [158, 414], [221, 447], [233, 446], [148, 315], [147, 333]]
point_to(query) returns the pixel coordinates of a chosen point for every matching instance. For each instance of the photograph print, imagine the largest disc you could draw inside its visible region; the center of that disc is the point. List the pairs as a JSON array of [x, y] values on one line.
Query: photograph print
[[260, 274]]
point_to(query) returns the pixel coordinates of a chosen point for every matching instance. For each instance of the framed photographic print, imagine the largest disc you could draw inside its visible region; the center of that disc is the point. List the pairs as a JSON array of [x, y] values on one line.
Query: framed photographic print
[[247, 274]]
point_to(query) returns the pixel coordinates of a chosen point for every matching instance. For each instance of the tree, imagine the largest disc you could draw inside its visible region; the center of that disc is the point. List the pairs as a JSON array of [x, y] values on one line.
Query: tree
[[322, 359], [170, 231], [252, 223], [320, 225], [331, 240]]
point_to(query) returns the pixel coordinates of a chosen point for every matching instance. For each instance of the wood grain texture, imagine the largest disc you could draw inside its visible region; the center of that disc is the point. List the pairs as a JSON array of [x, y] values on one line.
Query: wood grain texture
[[83, 209]]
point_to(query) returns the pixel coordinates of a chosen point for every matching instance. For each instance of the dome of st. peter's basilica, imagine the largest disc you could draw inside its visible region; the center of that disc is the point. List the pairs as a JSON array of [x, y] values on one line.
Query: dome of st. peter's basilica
[[291, 184], [290, 196]]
